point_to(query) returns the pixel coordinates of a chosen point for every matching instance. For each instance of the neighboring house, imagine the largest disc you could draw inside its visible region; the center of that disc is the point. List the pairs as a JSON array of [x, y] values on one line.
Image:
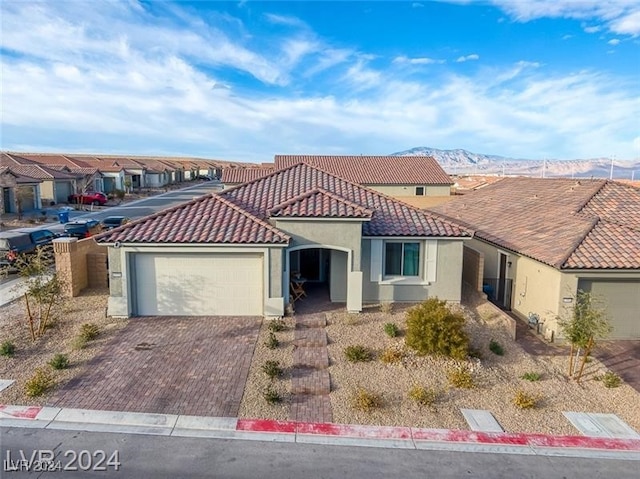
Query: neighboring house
[[20, 194], [233, 253], [55, 185], [236, 176], [542, 240], [397, 176]]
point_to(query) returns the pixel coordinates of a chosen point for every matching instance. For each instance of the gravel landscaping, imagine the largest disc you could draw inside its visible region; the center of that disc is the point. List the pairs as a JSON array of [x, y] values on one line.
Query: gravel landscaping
[[497, 379], [89, 307]]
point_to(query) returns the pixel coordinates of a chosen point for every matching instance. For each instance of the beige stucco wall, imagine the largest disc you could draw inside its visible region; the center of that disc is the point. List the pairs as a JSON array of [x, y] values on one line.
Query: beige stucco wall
[[448, 284], [410, 190], [47, 193], [344, 234], [338, 276]]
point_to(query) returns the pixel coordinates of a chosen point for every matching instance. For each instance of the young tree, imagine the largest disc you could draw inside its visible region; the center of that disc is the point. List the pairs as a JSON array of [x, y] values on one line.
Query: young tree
[[44, 289], [587, 323]]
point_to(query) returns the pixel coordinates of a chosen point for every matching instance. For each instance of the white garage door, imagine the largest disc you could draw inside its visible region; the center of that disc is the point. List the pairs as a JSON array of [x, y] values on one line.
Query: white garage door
[[198, 285], [622, 299]]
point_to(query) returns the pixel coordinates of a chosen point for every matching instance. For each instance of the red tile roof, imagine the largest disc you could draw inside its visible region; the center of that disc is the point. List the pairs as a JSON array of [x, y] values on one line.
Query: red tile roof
[[390, 218], [242, 175], [375, 170], [31, 169], [561, 222], [319, 203], [209, 219]]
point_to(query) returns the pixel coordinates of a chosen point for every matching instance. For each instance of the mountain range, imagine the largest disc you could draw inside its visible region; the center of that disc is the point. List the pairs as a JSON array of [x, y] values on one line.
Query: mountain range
[[463, 162]]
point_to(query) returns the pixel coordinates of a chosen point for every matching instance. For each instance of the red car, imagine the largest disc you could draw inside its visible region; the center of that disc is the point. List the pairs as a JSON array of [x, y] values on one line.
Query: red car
[[89, 198]]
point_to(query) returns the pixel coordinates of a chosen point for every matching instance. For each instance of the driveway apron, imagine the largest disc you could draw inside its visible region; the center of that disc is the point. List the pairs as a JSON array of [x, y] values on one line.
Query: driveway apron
[[170, 365]]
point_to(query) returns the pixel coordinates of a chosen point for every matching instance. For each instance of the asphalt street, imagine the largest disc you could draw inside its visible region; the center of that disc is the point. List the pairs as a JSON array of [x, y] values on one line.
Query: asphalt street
[[145, 456]]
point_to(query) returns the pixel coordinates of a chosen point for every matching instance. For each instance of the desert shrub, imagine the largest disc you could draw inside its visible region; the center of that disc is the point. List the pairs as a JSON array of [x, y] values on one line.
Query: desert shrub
[[119, 194], [59, 361], [38, 384], [357, 354], [391, 329], [531, 376], [461, 377], [272, 369], [392, 355], [433, 329], [79, 342], [386, 307], [475, 353], [351, 319], [89, 331], [277, 325], [7, 348], [364, 400], [422, 396], [496, 348], [525, 400], [610, 379], [271, 395], [272, 342]]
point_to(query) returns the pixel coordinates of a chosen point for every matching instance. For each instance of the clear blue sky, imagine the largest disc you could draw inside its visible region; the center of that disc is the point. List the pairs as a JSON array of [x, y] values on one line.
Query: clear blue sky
[[246, 80]]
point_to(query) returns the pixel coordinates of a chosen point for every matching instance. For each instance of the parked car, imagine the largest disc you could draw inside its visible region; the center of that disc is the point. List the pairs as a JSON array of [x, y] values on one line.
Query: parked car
[[82, 228], [204, 177], [88, 198], [111, 222], [16, 243]]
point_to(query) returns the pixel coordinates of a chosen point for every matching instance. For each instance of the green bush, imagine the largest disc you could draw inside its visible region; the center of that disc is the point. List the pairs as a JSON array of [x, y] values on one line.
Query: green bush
[[496, 348], [271, 395], [433, 329], [423, 396], [272, 342], [461, 378], [89, 331], [391, 329], [38, 384], [531, 376], [277, 325], [611, 380], [7, 348], [272, 369], [364, 400], [59, 361], [119, 194], [357, 354], [79, 342]]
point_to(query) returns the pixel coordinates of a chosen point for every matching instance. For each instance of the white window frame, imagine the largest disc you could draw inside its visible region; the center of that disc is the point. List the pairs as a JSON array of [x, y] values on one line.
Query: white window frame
[[428, 262], [424, 191], [402, 275]]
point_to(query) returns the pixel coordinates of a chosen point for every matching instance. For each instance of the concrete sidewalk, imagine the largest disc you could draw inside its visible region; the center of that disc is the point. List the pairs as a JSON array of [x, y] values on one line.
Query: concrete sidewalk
[[317, 433]]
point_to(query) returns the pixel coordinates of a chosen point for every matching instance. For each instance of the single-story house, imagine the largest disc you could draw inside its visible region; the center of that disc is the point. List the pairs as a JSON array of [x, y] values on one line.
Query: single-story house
[[397, 176], [236, 176], [19, 193], [542, 240], [233, 253]]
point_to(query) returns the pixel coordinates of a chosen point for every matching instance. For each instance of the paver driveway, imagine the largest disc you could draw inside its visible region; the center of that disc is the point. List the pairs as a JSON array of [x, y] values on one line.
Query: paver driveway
[[182, 365]]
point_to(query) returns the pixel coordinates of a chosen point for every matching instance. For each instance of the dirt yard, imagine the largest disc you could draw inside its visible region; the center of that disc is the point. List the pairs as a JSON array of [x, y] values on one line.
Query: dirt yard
[[90, 307]]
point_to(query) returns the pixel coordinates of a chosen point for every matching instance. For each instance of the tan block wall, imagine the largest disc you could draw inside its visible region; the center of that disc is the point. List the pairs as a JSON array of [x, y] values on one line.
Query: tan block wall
[[73, 264]]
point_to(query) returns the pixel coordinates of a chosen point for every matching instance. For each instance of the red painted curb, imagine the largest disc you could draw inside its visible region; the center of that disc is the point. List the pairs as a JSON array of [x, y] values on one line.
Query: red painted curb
[[22, 412], [439, 435]]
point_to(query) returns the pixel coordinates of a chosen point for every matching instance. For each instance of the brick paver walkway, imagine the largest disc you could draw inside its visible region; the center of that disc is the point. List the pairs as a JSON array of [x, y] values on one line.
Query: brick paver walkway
[[310, 381], [182, 365]]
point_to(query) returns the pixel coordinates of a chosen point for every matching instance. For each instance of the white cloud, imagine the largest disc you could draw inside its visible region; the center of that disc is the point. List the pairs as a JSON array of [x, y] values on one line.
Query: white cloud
[[592, 29], [618, 16], [567, 37], [466, 58], [284, 20], [614, 41], [417, 61], [417, 5]]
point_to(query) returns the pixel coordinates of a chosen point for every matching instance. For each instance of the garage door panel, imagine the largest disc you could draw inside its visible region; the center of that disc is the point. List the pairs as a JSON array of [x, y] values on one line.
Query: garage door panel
[[622, 301], [199, 285]]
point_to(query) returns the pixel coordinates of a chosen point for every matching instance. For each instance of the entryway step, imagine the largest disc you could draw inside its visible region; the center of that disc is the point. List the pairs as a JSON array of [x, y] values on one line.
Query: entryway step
[[310, 337], [601, 425], [311, 356], [481, 420], [310, 381], [318, 320], [309, 408]]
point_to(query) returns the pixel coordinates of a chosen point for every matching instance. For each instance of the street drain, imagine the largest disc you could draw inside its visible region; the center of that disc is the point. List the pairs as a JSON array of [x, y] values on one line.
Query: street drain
[[144, 346]]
